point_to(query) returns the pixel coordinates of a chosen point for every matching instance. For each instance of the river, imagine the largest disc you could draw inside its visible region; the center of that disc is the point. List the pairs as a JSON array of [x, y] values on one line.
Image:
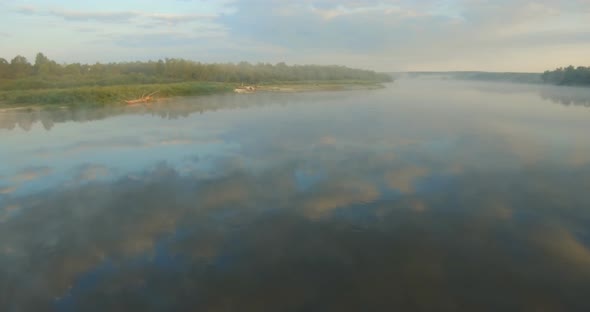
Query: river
[[426, 195]]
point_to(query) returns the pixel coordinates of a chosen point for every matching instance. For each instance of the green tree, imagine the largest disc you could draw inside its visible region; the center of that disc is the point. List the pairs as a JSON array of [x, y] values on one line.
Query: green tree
[[20, 67], [74, 69], [4, 69], [41, 66], [568, 76], [160, 68]]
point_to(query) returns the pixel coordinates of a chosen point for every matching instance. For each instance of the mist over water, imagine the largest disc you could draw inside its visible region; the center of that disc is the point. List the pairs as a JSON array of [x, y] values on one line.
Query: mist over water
[[427, 195]]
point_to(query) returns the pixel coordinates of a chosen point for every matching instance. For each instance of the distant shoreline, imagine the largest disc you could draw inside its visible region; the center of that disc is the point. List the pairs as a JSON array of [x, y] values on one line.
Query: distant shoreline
[[568, 76]]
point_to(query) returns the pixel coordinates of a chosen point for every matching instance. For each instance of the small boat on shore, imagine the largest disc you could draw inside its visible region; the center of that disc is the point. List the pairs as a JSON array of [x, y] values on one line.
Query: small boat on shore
[[143, 99], [245, 89]]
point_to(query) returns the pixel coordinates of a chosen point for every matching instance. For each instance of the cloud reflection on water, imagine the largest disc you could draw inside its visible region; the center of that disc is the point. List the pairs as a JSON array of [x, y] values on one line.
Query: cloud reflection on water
[[314, 210], [262, 247]]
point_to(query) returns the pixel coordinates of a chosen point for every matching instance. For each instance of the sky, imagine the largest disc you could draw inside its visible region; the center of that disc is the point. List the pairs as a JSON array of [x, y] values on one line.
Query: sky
[[393, 35]]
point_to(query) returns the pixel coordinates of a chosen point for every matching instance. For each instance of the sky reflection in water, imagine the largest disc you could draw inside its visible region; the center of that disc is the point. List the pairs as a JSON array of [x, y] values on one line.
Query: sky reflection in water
[[427, 195]]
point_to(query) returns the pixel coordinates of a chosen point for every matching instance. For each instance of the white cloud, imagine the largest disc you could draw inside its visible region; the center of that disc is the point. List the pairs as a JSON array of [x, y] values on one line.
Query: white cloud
[[389, 35], [114, 16], [7, 190], [92, 172], [31, 174]]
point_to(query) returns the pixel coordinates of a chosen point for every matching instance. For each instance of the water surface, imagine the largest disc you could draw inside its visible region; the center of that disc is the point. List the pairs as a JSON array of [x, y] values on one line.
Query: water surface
[[424, 196]]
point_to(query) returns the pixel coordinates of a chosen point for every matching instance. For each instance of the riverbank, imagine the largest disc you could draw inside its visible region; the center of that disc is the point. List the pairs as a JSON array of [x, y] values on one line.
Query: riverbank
[[319, 86], [106, 95], [118, 94]]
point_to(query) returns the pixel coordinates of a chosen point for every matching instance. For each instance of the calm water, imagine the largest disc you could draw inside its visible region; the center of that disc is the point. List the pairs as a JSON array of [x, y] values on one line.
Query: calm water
[[424, 196]]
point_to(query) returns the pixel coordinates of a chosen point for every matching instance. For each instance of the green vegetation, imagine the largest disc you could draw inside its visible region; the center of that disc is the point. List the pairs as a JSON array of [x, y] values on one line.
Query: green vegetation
[[570, 76], [108, 94], [47, 82]]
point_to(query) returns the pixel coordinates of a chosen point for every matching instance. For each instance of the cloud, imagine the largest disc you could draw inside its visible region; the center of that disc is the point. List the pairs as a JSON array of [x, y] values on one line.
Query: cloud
[[120, 142], [135, 143], [125, 143], [115, 16], [12, 208], [407, 33], [162, 38], [328, 140], [31, 173], [27, 10], [338, 194], [8, 211], [222, 230], [385, 35], [7, 190], [404, 179], [87, 29], [330, 10], [174, 19], [564, 247], [499, 211], [78, 15], [418, 206], [300, 27], [92, 172]]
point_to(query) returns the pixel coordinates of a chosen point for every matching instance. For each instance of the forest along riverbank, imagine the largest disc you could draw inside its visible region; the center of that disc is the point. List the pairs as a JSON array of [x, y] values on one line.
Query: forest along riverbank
[[46, 82], [130, 94]]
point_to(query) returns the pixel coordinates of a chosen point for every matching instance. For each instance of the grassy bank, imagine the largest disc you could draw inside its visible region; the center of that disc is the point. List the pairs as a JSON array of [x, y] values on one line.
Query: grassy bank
[[106, 95]]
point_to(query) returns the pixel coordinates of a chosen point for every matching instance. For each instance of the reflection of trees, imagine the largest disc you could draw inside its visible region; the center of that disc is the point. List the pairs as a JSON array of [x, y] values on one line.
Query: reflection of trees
[[567, 95], [166, 109]]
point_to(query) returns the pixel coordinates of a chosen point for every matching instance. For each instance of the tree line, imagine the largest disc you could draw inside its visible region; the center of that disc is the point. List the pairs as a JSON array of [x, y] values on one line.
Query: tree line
[[44, 70], [579, 76]]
